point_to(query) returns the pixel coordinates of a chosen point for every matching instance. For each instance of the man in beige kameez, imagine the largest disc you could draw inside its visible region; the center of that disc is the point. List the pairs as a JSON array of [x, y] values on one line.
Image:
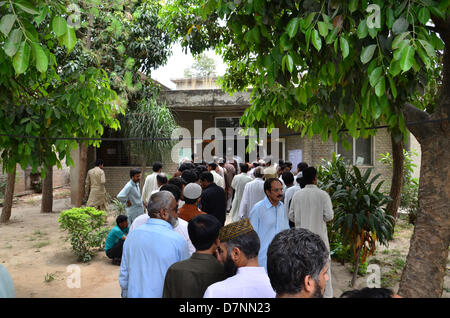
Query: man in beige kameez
[[95, 186], [310, 209]]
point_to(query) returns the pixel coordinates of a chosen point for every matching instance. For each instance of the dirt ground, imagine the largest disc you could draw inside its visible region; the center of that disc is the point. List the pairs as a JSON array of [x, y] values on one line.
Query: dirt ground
[[34, 251]]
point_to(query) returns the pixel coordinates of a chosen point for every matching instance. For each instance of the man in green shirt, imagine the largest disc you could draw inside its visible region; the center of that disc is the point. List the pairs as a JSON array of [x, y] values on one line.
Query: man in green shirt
[[191, 277], [115, 239]]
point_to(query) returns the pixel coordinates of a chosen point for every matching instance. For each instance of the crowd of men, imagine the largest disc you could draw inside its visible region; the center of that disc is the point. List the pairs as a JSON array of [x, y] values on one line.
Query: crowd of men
[[174, 240]]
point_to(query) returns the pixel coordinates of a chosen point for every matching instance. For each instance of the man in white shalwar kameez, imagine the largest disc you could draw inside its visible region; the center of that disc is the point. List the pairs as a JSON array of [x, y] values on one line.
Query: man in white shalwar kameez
[[238, 184], [253, 193], [238, 250], [150, 183], [310, 209]]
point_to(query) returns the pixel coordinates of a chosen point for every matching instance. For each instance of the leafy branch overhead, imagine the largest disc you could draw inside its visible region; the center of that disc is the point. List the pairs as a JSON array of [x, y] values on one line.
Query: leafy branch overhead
[[326, 65]]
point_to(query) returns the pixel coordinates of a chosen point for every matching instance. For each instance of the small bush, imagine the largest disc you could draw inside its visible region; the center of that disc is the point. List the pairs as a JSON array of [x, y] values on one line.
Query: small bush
[[86, 228]]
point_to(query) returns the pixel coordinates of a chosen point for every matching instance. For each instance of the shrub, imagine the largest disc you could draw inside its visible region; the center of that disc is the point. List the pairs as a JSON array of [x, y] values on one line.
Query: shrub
[[86, 228], [360, 218]]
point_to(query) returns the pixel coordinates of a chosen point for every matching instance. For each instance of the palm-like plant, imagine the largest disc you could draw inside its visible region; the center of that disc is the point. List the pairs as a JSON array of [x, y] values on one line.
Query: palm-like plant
[[360, 216], [153, 124]]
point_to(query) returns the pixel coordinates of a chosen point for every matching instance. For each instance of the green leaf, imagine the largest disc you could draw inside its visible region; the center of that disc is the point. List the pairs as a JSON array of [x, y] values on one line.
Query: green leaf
[[69, 39], [6, 23], [394, 68], [323, 28], [307, 38], [400, 25], [344, 47], [21, 59], [316, 40], [393, 88], [424, 15], [367, 53], [380, 87], [375, 76], [59, 26], [292, 27], [309, 19], [428, 48], [13, 42], [435, 11], [289, 62], [41, 58], [362, 30], [352, 5], [398, 39], [25, 6], [285, 42], [407, 58], [390, 18]]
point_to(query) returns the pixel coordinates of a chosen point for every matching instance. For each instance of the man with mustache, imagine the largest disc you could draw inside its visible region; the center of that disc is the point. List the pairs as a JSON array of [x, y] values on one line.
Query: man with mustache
[[151, 249], [297, 264], [238, 251], [269, 216]]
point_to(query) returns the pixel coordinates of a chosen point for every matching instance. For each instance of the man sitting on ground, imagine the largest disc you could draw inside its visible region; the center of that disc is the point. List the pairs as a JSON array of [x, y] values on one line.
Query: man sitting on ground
[[115, 239]]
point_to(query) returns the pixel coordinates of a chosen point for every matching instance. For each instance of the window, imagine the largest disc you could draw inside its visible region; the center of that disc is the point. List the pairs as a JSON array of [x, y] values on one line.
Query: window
[[359, 154]]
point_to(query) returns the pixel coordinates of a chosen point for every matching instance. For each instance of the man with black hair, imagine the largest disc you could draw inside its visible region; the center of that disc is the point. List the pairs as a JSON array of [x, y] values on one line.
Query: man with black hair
[[213, 197], [300, 167], [131, 196], [238, 251], [190, 176], [310, 209], [370, 293], [238, 184], [191, 277], [161, 179], [150, 183], [218, 179], [297, 264], [115, 239], [269, 216], [95, 186]]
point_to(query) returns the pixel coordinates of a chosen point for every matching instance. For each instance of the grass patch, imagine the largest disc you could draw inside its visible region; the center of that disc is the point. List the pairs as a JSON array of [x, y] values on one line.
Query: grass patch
[[49, 277], [41, 244]]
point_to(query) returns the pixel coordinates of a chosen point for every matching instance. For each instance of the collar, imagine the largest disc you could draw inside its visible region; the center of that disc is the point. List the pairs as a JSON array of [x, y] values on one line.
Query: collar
[[267, 204], [155, 221], [203, 256], [310, 186], [247, 269]]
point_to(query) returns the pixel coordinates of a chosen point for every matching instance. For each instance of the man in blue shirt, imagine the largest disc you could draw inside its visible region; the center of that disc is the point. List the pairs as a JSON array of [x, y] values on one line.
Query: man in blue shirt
[[130, 195], [151, 249], [269, 217], [115, 239]]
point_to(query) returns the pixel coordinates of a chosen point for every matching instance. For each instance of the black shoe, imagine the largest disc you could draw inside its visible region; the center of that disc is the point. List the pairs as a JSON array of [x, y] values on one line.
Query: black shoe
[[116, 261]]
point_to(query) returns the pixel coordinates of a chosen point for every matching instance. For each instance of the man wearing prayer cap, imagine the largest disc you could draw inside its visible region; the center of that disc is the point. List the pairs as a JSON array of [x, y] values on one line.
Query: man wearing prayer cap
[[238, 251], [192, 195]]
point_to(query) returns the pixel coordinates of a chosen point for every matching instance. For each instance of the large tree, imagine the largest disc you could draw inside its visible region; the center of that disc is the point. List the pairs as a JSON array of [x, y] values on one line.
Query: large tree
[[43, 103], [329, 66]]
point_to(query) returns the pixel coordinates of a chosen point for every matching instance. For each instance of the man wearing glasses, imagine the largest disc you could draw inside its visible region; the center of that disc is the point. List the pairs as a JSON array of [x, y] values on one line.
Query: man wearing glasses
[[269, 217]]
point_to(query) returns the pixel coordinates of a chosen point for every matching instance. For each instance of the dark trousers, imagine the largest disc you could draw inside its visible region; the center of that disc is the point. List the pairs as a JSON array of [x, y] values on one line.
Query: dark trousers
[[116, 250]]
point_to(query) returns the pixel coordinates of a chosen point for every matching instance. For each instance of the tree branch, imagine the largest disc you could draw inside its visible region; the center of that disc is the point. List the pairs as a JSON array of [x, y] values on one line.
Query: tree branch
[[413, 114]]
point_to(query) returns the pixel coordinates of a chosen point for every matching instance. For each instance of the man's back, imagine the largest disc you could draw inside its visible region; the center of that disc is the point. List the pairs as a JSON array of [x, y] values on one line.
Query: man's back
[[310, 209], [148, 252], [190, 278], [253, 193], [213, 202]]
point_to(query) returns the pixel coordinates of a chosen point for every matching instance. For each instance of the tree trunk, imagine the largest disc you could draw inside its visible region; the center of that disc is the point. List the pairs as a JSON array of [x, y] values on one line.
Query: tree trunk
[[424, 272], [356, 267], [9, 195], [47, 192], [143, 166], [398, 161], [81, 174]]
